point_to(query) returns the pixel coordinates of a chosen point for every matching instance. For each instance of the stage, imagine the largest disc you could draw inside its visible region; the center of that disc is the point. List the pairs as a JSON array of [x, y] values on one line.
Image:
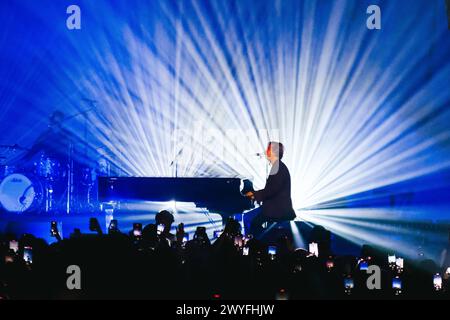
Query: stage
[[188, 129]]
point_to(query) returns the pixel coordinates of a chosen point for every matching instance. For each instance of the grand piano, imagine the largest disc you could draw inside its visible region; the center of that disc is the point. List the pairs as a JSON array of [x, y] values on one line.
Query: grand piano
[[218, 195]]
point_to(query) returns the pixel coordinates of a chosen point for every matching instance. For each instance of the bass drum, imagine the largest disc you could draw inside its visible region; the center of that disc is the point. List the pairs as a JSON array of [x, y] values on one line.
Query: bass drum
[[19, 193]]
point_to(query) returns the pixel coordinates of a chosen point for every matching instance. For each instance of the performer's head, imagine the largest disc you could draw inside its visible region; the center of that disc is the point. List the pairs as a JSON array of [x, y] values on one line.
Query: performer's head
[[274, 151], [56, 119]]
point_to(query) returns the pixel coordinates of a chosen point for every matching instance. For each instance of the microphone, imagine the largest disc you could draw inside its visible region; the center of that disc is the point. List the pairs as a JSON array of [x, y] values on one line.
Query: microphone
[[176, 157], [259, 154]]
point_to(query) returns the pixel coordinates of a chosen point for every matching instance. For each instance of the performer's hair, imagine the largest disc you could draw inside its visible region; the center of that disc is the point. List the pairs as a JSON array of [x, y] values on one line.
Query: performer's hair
[[277, 148], [56, 117]]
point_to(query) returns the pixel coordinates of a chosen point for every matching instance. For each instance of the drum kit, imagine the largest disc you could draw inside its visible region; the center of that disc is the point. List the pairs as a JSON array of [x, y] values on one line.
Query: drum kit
[[47, 185]]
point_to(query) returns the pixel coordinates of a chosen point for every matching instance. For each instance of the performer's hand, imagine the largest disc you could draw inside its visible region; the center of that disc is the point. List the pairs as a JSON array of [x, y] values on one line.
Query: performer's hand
[[250, 195]]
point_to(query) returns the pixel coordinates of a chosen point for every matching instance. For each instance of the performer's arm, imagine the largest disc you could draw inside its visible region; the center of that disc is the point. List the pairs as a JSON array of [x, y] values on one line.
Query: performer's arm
[[273, 185]]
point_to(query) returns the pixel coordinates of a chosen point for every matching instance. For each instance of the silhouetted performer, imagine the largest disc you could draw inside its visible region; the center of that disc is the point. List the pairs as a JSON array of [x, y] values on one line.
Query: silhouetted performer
[[276, 195], [53, 142]]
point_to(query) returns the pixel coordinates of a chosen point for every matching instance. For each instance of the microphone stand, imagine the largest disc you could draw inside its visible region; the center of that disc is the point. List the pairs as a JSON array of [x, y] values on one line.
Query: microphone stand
[[70, 181], [175, 161], [70, 175]]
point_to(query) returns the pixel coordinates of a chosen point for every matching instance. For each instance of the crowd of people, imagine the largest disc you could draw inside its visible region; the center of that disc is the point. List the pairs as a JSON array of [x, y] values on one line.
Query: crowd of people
[[150, 262]]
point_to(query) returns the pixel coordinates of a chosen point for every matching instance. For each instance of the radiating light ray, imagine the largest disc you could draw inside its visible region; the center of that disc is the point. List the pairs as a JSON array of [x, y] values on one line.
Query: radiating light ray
[[299, 241], [194, 88], [383, 227], [408, 246]]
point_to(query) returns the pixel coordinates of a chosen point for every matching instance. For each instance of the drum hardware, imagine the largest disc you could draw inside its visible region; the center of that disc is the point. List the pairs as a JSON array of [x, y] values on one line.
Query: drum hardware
[[103, 167], [8, 151], [70, 181], [19, 193], [48, 197], [48, 168], [87, 176], [7, 170], [26, 192], [51, 185], [13, 147]]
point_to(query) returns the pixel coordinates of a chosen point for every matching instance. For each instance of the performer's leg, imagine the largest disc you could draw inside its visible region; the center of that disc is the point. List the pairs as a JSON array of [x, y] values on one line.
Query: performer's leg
[[248, 218], [256, 228]]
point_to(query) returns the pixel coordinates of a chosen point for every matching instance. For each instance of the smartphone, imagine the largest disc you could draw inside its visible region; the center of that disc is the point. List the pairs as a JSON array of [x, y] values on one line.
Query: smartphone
[[160, 228], [53, 228], [185, 238], [314, 249], [272, 250], [14, 246], [113, 226], [396, 283], [447, 271], [238, 241], [245, 251], [363, 265], [137, 230], [349, 283], [28, 255], [330, 264], [437, 282], [217, 233], [399, 263], [392, 259]]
